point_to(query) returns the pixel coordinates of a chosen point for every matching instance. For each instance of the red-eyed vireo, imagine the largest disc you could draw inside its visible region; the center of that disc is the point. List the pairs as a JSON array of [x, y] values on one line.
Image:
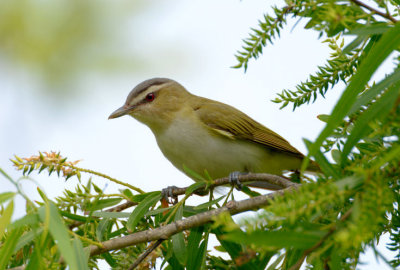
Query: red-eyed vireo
[[197, 134]]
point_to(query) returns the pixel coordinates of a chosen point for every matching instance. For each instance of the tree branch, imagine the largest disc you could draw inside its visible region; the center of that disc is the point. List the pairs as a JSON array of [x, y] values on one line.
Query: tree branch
[[145, 254], [168, 230], [385, 15], [251, 177]]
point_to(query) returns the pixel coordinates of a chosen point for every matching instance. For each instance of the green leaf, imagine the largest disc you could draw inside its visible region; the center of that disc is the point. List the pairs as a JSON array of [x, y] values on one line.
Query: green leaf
[[102, 228], [27, 238], [142, 208], [178, 241], [336, 155], [6, 196], [36, 261], [74, 216], [193, 247], [371, 93], [111, 214], [376, 29], [393, 153], [323, 117], [323, 163], [232, 248], [194, 187], [30, 220], [354, 44], [275, 264], [140, 197], [280, 239], [350, 182], [377, 110], [59, 232], [81, 255], [208, 204], [157, 211], [109, 259], [7, 248], [5, 218], [292, 256], [389, 41], [193, 174], [103, 203]]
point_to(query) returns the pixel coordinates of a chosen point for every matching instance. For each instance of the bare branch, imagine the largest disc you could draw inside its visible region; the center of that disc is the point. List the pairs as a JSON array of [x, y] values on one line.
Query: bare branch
[[385, 15], [251, 177], [168, 230]]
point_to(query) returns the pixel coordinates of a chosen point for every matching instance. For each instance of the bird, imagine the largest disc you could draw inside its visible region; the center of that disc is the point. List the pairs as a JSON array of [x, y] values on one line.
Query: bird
[[200, 136]]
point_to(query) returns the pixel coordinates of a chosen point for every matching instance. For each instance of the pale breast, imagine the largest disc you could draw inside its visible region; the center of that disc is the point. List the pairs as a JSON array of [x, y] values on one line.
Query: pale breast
[[187, 143]]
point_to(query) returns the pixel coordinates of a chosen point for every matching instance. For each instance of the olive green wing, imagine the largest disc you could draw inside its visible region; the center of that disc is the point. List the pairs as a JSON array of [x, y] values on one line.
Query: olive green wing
[[232, 123]]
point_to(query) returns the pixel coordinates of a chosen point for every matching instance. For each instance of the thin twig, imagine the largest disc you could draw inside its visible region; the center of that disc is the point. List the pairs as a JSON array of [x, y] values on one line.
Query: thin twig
[[380, 13], [145, 254]]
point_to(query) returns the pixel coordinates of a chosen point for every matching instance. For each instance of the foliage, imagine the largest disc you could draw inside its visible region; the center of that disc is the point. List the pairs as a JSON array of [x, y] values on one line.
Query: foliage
[[326, 223]]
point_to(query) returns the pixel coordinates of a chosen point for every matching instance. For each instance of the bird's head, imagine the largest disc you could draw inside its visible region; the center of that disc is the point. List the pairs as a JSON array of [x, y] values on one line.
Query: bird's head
[[154, 102]]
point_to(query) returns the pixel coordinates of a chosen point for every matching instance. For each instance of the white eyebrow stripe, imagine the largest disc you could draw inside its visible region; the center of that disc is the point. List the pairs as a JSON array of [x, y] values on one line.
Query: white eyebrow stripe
[[139, 98]]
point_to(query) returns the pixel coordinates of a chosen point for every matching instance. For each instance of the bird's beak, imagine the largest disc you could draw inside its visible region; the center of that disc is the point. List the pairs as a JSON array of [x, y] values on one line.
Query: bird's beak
[[120, 112]]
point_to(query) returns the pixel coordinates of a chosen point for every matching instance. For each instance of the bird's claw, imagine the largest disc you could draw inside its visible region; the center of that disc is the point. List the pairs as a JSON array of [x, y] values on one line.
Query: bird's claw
[[234, 180], [168, 192]]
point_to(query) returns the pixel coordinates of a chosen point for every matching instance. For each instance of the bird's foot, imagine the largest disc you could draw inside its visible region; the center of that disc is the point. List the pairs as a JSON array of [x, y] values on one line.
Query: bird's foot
[[168, 192], [234, 180]]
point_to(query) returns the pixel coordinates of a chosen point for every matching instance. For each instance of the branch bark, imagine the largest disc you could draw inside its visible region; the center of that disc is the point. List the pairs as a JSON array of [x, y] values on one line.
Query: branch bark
[[251, 177], [385, 15], [164, 232]]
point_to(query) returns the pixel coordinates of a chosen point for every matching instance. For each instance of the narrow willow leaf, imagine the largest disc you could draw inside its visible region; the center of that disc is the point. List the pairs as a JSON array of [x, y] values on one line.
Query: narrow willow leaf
[[109, 259], [7, 248], [36, 261], [336, 155], [275, 264], [157, 211], [101, 229], [111, 214], [74, 216], [193, 247], [81, 255], [371, 93], [27, 238], [6, 196], [192, 173], [103, 203], [232, 248], [201, 255], [5, 218], [389, 41], [28, 220], [354, 44], [375, 29], [281, 239], [323, 163], [142, 209], [59, 232], [194, 187], [208, 204], [178, 241], [377, 110], [394, 153]]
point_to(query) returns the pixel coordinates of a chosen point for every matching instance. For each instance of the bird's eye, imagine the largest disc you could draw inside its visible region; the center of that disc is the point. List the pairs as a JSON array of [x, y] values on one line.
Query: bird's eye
[[150, 97]]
